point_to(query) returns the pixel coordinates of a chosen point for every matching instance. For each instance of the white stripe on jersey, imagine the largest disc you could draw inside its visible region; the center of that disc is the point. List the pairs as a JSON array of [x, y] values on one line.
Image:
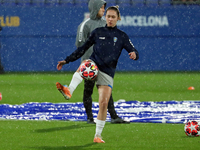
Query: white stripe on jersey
[[81, 30], [131, 42]]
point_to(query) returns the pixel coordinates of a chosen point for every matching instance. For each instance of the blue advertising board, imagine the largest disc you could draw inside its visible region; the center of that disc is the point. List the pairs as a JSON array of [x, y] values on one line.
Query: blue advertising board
[[36, 38]]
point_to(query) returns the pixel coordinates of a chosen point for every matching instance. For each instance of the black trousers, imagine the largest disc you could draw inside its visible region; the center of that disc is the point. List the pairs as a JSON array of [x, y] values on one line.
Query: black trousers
[[87, 100]]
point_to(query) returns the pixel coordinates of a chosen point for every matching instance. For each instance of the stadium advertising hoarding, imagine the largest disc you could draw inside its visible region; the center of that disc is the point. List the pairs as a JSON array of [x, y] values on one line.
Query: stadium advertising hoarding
[[35, 38]]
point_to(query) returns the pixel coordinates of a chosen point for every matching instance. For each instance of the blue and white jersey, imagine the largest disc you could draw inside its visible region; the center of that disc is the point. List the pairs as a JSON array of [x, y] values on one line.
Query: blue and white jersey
[[108, 44]]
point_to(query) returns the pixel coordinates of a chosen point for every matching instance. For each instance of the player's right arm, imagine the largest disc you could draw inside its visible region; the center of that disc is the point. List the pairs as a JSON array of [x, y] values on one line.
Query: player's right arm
[[83, 32], [80, 51]]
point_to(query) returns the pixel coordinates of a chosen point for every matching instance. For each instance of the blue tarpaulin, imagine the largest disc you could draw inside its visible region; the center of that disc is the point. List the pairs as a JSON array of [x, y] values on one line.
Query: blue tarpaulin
[[133, 111]]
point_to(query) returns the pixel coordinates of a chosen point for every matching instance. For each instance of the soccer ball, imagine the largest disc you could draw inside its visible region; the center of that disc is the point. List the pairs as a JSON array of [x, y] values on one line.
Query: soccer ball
[[88, 70], [192, 128]]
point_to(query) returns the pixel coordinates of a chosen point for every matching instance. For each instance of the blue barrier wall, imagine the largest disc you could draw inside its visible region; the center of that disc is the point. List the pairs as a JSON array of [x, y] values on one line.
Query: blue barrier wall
[[36, 38]]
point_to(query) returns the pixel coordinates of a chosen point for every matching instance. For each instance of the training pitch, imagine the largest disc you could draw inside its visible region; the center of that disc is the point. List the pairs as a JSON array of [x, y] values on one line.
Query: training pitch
[[19, 88]]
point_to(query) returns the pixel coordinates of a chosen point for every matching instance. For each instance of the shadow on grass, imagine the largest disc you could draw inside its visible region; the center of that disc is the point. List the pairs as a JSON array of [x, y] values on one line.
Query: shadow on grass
[[65, 147], [63, 128]]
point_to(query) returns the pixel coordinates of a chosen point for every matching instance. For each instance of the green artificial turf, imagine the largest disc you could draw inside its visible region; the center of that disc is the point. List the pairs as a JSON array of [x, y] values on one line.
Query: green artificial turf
[[19, 88], [37, 87], [69, 135]]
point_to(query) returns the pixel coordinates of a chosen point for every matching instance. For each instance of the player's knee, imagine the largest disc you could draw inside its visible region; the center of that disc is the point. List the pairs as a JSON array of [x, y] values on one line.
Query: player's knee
[[103, 103], [87, 100], [88, 92]]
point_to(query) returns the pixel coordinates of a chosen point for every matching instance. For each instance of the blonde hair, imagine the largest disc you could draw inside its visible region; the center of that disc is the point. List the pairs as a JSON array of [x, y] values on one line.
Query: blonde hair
[[116, 8]]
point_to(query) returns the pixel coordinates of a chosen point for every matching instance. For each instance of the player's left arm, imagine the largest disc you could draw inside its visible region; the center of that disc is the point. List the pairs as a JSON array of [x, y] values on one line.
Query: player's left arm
[[132, 51]]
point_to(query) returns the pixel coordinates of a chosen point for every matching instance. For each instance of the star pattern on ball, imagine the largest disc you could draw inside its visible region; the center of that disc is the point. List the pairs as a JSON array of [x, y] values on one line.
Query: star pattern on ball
[[192, 127]]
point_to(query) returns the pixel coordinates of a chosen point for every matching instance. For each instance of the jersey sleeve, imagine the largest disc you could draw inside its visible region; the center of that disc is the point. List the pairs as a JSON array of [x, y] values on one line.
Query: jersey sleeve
[[129, 47], [80, 51]]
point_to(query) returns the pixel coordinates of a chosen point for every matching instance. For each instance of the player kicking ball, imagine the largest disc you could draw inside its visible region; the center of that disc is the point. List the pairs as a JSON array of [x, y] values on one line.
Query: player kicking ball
[[108, 43]]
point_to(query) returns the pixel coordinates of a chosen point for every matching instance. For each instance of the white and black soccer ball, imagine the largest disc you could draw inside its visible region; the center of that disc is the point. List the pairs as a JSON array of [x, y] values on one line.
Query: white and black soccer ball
[[88, 70], [192, 128]]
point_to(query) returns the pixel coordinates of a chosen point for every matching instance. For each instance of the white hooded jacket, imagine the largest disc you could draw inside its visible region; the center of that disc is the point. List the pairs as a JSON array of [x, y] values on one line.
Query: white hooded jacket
[[87, 26]]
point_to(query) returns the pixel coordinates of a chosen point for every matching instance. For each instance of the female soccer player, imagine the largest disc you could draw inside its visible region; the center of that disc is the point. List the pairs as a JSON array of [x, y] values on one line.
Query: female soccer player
[[108, 43], [97, 9]]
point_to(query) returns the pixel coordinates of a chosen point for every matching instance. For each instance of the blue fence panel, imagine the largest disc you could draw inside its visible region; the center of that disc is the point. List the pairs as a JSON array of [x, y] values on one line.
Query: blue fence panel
[[36, 38], [165, 2], [36, 54]]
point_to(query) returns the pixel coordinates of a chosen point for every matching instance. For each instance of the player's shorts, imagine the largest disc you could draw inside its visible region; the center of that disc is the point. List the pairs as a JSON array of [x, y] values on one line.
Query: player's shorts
[[104, 79]]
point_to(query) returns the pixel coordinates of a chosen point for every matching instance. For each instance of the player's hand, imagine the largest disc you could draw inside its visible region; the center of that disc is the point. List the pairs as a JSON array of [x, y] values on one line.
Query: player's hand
[[60, 64], [132, 55]]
